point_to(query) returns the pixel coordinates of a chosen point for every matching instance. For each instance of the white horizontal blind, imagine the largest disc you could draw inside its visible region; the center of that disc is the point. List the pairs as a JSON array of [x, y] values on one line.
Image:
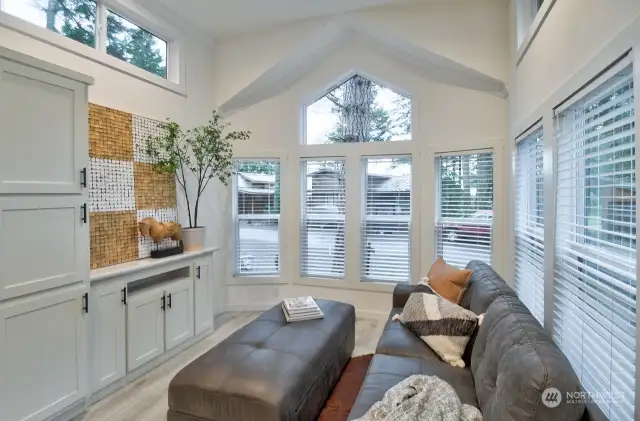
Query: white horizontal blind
[[256, 189], [529, 223], [322, 253], [464, 221], [595, 269], [386, 220]]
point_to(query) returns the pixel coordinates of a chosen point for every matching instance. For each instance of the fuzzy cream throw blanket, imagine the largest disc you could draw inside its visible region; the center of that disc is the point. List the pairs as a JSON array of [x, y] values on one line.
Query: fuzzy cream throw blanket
[[421, 398]]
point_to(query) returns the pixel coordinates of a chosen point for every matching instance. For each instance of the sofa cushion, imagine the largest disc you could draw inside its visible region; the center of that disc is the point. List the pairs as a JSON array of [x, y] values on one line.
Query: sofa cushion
[[397, 340], [386, 371], [513, 361], [484, 286], [444, 326], [449, 282]]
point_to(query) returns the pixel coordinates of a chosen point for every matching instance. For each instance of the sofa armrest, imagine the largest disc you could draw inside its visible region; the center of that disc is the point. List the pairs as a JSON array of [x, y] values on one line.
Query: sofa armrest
[[401, 294]]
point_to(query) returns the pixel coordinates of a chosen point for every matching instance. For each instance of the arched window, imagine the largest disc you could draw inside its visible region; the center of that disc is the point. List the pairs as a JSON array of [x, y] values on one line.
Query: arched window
[[358, 110]]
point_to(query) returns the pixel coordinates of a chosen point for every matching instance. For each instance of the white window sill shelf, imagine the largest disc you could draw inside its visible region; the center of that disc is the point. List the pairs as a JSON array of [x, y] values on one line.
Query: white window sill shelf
[[534, 29], [60, 41], [241, 280], [344, 284], [367, 286]]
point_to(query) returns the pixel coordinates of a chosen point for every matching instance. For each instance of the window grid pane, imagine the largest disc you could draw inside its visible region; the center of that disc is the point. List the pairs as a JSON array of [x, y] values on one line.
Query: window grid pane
[[75, 19], [595, 270], [464, 221], [257, 217], [131, 43], [529, 208], [322, 253], [358, 110], [386, 237]]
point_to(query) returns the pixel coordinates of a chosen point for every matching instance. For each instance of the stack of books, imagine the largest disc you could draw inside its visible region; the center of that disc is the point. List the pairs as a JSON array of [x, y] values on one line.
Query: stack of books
[[301, 308]]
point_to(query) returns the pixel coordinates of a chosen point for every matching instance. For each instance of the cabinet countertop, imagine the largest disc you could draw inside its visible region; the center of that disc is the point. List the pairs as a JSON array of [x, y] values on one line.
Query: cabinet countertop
[[144, 264]]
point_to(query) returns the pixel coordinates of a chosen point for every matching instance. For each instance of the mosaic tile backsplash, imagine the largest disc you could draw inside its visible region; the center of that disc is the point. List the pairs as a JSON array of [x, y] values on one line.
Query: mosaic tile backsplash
[[123, 187]]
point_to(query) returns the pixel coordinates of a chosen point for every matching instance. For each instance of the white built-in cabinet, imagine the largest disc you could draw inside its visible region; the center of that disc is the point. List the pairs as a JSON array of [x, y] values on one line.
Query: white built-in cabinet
[[108, 333], [145, 326], [203, 288], [43, 353], [44, 238], [179, 315], [43, 116], [148, 311], [44, 243], [68, 334]]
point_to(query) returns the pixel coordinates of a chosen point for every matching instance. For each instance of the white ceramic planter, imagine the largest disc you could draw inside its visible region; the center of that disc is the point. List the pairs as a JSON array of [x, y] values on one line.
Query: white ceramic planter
[[193, 238]]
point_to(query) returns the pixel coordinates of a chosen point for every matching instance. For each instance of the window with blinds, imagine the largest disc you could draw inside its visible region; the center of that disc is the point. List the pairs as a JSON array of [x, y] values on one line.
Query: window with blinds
[[595, 256], [464, 217], [256, 211], [529, 223], [386, 220], [322, 253]]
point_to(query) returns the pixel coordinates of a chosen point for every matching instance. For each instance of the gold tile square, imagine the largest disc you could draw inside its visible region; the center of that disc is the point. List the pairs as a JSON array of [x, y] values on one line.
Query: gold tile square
[[114, 238], [152, 189], [110, 133]]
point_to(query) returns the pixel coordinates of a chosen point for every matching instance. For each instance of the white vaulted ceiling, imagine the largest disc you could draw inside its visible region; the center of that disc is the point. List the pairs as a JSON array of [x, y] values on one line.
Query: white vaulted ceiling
[[311, 51], [220, 17]]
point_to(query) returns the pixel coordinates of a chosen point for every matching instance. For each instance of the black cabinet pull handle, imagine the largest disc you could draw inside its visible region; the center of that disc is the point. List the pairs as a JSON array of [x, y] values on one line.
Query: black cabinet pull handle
[[162, 303], [83, 210], [85, 302], [198, 272], [124, 295], [169, 300], [83, 177]]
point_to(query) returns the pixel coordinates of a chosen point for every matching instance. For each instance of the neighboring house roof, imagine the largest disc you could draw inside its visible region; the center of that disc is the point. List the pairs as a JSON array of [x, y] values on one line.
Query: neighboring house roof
[[245, 186], [313, 50], [258, 177]]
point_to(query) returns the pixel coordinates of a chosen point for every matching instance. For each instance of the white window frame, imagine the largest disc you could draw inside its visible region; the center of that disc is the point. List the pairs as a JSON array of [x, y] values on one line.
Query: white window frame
[[310, 100], [576, 237], [353, 154], [176, 61], [282, 276], [437, 198], [367, 218], [532, 208], [528, 21]]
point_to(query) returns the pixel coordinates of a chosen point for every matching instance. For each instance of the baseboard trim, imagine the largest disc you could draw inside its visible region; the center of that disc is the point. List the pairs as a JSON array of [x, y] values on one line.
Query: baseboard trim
[[370, 314], [69, 413]]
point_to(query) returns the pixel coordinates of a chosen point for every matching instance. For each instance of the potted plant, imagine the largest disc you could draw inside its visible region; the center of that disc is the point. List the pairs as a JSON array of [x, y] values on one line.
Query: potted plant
[[194, 157]]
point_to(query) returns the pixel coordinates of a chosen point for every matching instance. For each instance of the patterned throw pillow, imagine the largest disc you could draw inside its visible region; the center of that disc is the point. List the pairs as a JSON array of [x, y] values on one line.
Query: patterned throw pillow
[[444, 326]]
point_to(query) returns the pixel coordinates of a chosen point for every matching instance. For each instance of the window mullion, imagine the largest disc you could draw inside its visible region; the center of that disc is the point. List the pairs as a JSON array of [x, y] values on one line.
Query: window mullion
[[353, 217], [101, 27]]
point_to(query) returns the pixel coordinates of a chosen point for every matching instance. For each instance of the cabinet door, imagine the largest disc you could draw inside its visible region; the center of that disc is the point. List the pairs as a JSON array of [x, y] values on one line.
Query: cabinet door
[[145, 327], [108, 333], [44, 131], [43, 347], [179, 314], [44, 243], [203, 295]]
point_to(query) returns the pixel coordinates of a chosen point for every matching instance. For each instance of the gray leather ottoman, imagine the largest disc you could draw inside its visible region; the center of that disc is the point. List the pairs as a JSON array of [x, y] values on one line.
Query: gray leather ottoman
[[269, 370]]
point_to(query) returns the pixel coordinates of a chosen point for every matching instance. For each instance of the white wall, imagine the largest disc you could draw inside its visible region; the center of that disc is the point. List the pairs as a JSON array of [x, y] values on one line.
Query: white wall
[[123, 92], [446, 118], [574, 33]]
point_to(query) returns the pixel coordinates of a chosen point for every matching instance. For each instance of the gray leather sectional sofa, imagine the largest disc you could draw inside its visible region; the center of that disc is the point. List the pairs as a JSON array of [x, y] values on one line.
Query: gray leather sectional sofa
[[510, 360]]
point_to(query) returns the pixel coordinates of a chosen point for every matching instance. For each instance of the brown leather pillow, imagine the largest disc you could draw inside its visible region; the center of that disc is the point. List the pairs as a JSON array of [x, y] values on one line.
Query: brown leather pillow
[[447, 281]]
